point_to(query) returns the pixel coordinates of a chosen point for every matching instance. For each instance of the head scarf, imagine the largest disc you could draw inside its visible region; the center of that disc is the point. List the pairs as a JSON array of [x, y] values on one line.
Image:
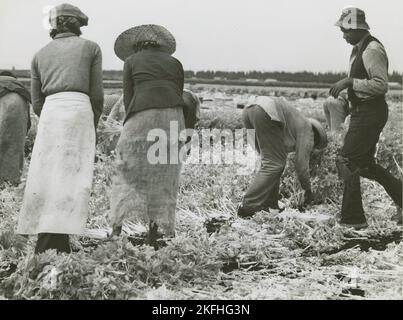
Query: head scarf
[[67, 10]]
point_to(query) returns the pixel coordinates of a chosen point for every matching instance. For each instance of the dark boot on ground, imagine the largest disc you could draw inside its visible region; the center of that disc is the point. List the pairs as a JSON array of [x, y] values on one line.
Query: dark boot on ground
[[57, 241], [154, 237], [247, 212], [116, 231]]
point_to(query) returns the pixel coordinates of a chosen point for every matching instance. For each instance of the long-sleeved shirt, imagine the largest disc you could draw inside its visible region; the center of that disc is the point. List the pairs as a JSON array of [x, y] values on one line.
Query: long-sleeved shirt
[[152, 79], [68, 63], [375, 62], [298, 132]]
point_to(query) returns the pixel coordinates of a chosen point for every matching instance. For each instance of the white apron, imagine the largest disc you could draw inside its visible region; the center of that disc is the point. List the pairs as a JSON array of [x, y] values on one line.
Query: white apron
[[60, 173]]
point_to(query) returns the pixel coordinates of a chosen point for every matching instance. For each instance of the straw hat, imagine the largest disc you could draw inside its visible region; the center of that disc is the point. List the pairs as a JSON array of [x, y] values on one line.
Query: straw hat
[[317, 127], [146, 32], [352, 18]]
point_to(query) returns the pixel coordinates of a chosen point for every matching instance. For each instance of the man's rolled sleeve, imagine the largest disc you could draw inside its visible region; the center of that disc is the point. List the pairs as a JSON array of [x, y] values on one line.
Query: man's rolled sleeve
[[96, 86], [37, 96], [376, 64]]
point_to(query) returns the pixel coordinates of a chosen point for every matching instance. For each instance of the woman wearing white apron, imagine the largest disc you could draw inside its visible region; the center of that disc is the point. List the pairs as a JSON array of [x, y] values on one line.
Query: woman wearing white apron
[[67, 94]]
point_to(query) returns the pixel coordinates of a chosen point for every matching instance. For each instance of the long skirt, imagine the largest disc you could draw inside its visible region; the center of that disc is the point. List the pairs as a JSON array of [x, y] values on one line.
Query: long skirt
[[13, 131], [60, 174], [146, 185]]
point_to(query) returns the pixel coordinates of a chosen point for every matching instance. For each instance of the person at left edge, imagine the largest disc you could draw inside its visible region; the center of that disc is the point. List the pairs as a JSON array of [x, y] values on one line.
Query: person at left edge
[[14, 125], [67, 95]]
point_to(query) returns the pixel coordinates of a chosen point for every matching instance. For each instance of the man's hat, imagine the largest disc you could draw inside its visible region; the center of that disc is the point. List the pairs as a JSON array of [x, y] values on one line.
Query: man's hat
[[143, 33], [352, 18], [69, 10], [320, 132]]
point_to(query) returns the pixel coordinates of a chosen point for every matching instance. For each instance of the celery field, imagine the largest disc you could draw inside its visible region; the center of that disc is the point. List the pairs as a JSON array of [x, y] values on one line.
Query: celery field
[[295, 254]]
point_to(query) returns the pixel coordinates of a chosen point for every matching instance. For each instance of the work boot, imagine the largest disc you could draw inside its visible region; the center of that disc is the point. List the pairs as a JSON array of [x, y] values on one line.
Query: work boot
[[116, 231], [247, 212], [273, 209], [57, 241], [154, 237]]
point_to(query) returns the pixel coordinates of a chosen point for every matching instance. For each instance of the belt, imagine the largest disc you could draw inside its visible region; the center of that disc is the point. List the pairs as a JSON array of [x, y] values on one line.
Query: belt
[[364, 104]]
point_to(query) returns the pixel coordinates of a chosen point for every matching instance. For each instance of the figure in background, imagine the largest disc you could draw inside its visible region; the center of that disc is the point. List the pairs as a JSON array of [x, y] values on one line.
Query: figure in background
[[336, 111]]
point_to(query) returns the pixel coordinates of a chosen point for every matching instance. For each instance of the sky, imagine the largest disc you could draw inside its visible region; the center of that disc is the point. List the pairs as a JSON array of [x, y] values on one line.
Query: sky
[[229, 35]]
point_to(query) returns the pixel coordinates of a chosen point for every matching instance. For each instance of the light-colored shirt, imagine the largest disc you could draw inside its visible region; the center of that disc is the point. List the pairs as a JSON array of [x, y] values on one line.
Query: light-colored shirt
[[375, 62], [68, 63]]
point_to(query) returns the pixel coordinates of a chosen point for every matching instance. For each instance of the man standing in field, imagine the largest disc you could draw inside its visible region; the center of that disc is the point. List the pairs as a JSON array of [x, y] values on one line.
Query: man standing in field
[[279, 129], [366, 86]]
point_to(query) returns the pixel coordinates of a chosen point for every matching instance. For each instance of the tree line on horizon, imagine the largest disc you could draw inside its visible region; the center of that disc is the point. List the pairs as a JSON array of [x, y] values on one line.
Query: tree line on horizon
[[281, 76], [302, 76]]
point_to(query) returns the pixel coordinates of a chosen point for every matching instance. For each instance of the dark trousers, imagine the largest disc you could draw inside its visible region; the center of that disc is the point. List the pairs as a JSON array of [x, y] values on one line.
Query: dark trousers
[[57, 241], [367, 122], [269, 141]]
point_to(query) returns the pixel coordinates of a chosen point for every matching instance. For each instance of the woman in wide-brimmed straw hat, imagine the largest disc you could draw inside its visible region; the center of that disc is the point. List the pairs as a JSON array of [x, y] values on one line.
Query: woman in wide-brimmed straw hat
[[67, 95], [145, 190]]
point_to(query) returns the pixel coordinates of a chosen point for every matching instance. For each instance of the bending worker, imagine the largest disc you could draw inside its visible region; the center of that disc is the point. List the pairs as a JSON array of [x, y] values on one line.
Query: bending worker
[[279, 129]]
